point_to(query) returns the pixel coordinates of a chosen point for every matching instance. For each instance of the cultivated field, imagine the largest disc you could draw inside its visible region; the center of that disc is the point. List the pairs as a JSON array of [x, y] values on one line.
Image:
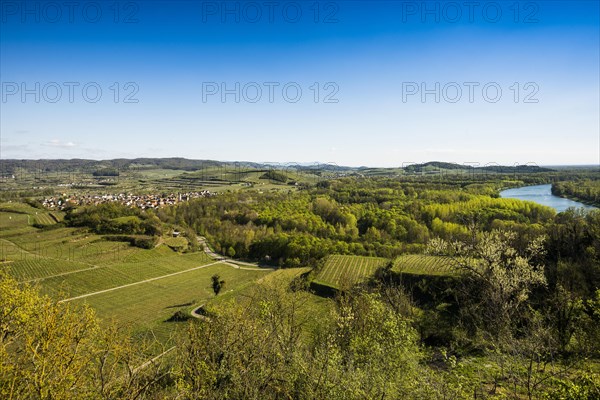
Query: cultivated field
[[136, 288], [342, 270], [147, 305], [420, 264]]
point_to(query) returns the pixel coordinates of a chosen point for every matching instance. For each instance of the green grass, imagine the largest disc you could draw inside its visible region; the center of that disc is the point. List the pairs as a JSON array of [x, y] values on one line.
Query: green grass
[[16, 207], [106, 277], [70, 262], [420, 264], [44, 218], [17, 219], [147, 306], [342, 270], [57, 215], [312, 309], [176, 242], [345, 271], [70, 244], [33, 268], [11, 220]]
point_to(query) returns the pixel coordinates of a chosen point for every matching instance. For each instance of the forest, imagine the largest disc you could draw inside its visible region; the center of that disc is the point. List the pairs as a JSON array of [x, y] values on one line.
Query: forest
[[586, 190], [375, 217]]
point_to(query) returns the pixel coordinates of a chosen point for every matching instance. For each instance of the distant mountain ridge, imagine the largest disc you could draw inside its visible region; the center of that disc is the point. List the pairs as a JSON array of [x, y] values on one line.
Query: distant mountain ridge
[[180, 163], [524, 168]]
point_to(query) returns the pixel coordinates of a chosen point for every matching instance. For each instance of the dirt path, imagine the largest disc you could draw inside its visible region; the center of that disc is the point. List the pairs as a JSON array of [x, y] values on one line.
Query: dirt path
[[139, 282], [153, 360], [162, 277], [236, 266], [230, 261]]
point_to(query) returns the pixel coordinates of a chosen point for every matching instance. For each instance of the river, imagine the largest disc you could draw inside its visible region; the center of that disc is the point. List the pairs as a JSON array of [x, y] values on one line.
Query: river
[[542, 194]]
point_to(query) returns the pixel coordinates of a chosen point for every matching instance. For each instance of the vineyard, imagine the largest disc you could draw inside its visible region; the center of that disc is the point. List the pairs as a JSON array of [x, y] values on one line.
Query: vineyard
[[148, 305], [44, 219], [342, 270], [33, 268], [68, 262], [420, 264], [10, 221], [26, 243]]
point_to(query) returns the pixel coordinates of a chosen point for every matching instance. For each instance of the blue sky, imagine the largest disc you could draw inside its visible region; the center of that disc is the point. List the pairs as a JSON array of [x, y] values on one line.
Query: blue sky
[[361, 67]]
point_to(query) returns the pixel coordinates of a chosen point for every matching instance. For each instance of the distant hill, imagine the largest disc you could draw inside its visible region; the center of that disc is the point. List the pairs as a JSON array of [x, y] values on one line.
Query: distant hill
[[517, 168], [9, 166], [437, 165], [72, 165]]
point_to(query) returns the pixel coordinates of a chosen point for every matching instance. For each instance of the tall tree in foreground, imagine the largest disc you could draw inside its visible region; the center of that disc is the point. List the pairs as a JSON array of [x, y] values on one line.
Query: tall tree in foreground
[[498, 279], [272, 345], [51, 350], [498, 313]]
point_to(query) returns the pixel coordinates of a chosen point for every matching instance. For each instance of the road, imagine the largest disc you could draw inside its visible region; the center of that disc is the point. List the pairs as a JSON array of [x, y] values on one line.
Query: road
[[216, 256]]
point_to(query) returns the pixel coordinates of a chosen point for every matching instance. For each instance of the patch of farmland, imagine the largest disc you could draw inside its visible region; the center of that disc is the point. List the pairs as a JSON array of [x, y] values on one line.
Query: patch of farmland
[[20, 208], [44, 218], [421, 264], [148, 305], [342, 270], [31, 267], [97, 279]]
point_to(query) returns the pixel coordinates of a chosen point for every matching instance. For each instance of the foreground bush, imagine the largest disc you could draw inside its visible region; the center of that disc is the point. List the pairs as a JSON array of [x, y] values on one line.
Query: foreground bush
[[59, 351]]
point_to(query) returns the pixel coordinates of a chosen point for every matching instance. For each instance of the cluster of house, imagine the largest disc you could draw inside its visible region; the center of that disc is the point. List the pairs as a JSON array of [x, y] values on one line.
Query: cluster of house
[[142, 201]]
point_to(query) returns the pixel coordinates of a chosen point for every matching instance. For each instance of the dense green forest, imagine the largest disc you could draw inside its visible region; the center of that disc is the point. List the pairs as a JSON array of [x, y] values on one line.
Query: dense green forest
[[377, 217], [587, 191]]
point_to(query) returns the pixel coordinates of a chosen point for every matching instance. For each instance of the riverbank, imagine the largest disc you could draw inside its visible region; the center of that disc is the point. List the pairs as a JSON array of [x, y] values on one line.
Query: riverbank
[[569, 190]]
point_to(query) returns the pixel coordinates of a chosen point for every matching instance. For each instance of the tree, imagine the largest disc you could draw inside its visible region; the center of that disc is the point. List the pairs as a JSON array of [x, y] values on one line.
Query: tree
[[51, 350], [271, 345], [496, 308], [497, 278], [217, 283], [231, 252]]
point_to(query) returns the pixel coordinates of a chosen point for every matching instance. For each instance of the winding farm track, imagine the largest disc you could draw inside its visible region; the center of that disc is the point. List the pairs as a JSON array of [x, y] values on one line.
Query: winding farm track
[[153, 360], [139, 282], [219, 260]]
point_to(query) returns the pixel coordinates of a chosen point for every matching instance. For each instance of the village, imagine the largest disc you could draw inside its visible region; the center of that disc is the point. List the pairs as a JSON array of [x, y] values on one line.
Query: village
[[144, 201]]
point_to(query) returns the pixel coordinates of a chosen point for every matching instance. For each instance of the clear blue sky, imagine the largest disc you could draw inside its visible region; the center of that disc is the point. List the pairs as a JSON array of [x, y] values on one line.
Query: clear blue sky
[[374, 58]]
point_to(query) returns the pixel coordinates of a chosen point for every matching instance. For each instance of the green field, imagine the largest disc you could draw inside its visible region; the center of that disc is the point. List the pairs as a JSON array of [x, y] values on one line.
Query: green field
[[176, 243], [341, 270], [21, 208], [345, 271], [311, 308], [420, 264], [140, 289], [10, 221], [148, 305], [70, 262]]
